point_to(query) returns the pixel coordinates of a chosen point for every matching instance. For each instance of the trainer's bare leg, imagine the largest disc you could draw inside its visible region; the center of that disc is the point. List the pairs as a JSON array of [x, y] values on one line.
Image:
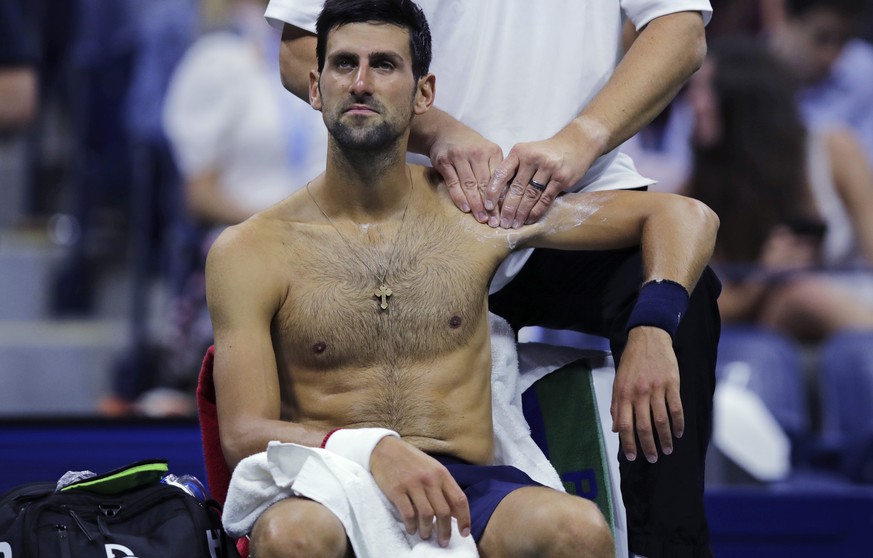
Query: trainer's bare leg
[[536, 521], [299, 528]]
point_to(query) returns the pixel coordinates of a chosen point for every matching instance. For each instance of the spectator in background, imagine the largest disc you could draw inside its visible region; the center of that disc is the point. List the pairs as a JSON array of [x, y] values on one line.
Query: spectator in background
[[242, 143], [795, 205], [818, 40], [18, 76]]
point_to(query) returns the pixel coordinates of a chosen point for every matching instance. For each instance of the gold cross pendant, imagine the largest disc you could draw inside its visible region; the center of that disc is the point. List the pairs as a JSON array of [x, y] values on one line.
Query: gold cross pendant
[[383, 293]]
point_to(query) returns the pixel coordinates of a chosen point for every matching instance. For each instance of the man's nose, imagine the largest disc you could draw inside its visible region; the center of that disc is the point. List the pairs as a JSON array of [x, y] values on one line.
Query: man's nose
[[363, 83]]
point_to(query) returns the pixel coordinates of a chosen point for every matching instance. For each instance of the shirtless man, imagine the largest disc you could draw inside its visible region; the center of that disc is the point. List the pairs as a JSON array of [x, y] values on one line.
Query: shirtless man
[[360, 303]]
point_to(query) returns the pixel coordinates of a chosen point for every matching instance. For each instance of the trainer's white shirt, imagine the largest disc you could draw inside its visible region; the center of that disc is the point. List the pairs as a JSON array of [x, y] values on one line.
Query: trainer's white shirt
[[526, 73]]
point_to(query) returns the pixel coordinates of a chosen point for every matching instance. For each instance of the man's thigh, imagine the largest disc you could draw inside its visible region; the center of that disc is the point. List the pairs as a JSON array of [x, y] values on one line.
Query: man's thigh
[[540, 521]]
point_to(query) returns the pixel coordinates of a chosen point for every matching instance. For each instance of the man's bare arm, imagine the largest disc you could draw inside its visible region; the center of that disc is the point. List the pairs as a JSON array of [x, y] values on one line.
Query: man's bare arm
[[676, 233], [677, 236], [243, 295]]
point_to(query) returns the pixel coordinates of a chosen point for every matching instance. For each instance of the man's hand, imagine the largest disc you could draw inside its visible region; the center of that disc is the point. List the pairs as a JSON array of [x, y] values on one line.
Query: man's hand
[[646, 387], [465, 160], [421, 488], [554, 165]]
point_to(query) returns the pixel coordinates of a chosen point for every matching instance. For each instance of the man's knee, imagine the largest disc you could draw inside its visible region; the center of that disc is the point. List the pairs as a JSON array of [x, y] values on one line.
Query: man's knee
[[298, 528], [573, 527]]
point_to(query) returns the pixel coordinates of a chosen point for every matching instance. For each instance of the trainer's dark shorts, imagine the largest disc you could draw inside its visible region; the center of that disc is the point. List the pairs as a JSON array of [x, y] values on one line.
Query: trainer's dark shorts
[[485, 486]]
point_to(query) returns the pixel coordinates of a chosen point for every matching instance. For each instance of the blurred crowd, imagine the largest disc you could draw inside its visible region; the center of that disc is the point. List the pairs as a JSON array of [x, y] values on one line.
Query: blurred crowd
[[173, 123]]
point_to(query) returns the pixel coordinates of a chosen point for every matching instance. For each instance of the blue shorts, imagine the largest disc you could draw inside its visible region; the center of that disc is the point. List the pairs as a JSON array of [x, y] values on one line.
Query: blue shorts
[[485, 486]]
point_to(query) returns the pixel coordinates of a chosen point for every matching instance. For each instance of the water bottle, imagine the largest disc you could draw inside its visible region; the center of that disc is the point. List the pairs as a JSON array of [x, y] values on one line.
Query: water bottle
[[188, 483]]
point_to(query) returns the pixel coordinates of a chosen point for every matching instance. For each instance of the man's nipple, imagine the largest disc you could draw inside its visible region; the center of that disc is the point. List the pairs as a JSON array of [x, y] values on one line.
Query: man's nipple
[[455, 322], [319, 347]]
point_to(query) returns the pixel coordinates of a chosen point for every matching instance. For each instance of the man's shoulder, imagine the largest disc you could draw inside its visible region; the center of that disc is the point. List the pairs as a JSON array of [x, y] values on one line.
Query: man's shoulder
[[435, 186], [266, 229]]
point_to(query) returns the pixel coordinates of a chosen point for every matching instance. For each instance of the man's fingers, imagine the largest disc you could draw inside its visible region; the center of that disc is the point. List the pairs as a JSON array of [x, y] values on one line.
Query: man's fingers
[[424, 514], [677, 415], [661, 418], [645, 433], [623, 423], [460, 508], [443, 513], [407, 513]]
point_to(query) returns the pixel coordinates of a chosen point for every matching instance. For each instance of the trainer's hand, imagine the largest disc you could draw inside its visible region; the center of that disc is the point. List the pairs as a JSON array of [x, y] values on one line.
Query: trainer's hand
[[647, 387], [421, 488], [465, 160], [555, 164]]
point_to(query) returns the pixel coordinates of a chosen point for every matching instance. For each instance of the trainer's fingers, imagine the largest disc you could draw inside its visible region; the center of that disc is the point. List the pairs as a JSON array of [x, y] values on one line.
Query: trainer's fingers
[[497, 191], [482, 176], [453, 185], [544, 203], [470, 188], [493, 200], [531, 197]]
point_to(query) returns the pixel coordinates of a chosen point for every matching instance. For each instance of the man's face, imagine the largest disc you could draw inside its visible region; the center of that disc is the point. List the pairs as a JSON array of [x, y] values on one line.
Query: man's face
[[366, 91], [812, 42]]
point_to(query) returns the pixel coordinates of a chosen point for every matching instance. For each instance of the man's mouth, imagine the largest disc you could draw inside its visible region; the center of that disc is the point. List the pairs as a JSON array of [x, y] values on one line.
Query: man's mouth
[[360, 109]]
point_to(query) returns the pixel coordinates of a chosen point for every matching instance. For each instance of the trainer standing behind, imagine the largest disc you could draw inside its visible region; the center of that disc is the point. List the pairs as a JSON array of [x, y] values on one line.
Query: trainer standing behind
[[556, 75]]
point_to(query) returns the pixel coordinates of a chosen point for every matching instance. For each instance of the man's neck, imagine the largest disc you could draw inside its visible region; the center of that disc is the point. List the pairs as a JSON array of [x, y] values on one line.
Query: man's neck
[[366, 186]]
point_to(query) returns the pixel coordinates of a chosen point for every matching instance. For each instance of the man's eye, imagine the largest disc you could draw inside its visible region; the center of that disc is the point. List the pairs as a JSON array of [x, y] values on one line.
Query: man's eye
[[384, 65], [344, 63]]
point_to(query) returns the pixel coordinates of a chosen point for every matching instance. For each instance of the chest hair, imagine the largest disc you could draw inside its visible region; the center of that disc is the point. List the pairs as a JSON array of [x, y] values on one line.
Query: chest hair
[[331, 318]]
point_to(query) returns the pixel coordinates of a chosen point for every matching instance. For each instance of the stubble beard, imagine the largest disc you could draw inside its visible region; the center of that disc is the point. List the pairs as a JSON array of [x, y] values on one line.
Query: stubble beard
[[363, 139]]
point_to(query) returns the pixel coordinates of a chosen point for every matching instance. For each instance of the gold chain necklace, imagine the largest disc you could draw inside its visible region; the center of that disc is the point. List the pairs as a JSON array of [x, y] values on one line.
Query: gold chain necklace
[[383, 292]]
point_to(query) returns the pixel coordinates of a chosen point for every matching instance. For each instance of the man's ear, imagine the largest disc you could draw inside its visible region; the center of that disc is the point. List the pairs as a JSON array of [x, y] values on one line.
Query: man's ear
[[314, 93], [425, 93]]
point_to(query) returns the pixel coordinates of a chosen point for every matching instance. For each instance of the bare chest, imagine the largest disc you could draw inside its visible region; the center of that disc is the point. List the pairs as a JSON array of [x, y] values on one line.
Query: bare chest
[[337, 314]]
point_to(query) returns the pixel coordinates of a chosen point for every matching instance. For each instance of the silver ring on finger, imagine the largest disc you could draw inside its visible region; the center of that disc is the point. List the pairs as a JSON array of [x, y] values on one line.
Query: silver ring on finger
[[537, 185]]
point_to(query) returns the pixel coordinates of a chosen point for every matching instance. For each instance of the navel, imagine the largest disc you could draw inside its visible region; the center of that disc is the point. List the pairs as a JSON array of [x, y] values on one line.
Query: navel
[[319, 347], [455, 322]]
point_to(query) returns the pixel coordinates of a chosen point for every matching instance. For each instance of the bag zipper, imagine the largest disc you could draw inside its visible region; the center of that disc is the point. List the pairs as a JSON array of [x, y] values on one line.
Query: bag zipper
[[63, 541]]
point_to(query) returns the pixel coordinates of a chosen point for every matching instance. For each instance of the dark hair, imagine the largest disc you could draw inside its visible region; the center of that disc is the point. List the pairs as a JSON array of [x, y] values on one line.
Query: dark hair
[[403, 13], [755, 176], [846, 8]]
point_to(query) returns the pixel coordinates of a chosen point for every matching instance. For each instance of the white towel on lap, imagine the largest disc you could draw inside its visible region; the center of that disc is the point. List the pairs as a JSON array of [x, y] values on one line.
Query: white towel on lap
[[345, 488]]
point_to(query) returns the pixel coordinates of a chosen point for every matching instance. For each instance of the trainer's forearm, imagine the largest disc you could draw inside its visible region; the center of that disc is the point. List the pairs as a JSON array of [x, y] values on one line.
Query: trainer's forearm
[[296, 59], [658, 63]]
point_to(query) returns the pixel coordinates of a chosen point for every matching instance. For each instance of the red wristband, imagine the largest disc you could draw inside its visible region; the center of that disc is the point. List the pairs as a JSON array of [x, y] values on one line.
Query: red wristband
[[328, 435]]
